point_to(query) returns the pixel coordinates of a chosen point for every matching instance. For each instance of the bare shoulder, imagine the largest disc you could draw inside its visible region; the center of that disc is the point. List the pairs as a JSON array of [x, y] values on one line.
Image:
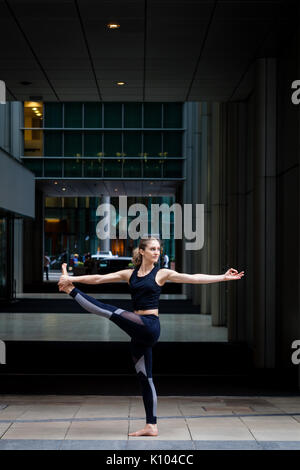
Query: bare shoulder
[[163, 275], [126, 274]]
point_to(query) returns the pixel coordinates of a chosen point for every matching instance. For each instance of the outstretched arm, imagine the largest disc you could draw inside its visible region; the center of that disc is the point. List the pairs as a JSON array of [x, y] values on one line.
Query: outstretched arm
[[173, 276], [93, 278]]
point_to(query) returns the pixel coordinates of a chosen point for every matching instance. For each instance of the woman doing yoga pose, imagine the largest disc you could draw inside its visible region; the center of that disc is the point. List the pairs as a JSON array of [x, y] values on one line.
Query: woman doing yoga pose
[[142, 325]]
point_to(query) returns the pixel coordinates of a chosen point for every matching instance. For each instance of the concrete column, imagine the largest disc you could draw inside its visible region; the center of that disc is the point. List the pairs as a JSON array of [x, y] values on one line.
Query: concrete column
[[203, 186], [264, 211], [18, 255], [217, 214], [16, 135], [33, 243]]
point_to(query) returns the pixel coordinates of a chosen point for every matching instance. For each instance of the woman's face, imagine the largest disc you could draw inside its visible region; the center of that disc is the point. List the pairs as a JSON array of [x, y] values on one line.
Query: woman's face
[[151, 252]]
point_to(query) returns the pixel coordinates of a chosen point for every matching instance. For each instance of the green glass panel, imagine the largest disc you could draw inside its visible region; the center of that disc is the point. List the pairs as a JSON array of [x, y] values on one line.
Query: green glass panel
[[112, 144], [34, 165], [93, 144], [93, 168], [152, 169], [172, 114], [53, 114], [172, 144], [132, 115], [73, 144], [52, 144], [92, 115], [112, 115], [132, 144], [152, 114], [72, 168], [152, 144], [53, 168], [132, 169], [172, 169], [73, 115], [112, 168]]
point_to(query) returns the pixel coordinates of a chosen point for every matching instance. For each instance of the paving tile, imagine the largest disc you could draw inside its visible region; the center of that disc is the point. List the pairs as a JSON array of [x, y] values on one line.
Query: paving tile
[[280, 445], [224, 429], [228, 445], [3, 428], [53, 430], [118, 410], [30, 444], [53, 411], [273, 428], [98, 430], [12, 412], [145, 444], [94, 445]]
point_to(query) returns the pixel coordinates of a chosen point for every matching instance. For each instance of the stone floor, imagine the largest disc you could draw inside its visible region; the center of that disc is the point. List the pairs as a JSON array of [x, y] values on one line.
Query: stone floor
[[187, 423]]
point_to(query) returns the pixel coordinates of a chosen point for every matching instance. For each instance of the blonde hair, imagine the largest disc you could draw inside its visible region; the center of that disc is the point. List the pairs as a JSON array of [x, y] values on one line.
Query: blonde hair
[[137, 258]]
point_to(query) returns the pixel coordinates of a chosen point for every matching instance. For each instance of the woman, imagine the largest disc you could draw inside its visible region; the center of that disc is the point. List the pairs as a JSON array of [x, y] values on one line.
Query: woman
[[142, 325]]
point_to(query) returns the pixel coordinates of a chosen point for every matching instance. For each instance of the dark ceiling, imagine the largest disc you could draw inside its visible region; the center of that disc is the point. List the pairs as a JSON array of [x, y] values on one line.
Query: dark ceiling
[[164, 50]]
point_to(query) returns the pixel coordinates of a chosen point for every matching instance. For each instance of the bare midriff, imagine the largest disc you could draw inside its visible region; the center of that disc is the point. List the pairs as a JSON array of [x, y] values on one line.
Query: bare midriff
[[146, 312]]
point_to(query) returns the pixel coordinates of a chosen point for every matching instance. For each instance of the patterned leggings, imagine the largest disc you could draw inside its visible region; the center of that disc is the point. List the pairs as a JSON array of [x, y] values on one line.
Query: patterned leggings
[[144, 331]]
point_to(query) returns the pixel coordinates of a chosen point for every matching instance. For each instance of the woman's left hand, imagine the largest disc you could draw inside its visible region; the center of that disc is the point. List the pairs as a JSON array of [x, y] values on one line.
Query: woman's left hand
[[233, 274]]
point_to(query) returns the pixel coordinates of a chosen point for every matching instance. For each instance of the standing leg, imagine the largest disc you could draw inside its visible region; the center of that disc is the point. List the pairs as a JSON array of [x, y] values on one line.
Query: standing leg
[[142, 358]]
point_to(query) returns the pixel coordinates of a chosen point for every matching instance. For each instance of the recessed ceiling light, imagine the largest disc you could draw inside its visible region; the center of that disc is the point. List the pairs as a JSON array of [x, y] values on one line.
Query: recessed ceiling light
[[55, 182], [120, 83], [113, 25], [63, 189], [116, 189]]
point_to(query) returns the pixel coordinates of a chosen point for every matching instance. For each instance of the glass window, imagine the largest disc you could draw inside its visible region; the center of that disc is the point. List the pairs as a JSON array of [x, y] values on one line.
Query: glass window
[[73, 115], [172, 169], [113, 168], [53, 168], [73, 168], [73, 144], [112, 144], [35, 165], [132, 115], [172, 114], [52, 144], [132, 144], [152, 169], [93, 168], [93, 144], [152, 114], [53, 114], [92, 115], [112, 115], [132, 169], [152, 144], [172, 143]]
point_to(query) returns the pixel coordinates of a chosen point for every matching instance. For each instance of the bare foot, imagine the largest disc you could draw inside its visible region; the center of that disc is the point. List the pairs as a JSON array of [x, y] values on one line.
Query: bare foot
[[148, 430], [65, 284], [64, 269]]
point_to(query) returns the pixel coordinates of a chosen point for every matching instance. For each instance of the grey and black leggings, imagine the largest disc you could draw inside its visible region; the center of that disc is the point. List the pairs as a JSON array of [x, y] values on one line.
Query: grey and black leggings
[[144, 331]]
